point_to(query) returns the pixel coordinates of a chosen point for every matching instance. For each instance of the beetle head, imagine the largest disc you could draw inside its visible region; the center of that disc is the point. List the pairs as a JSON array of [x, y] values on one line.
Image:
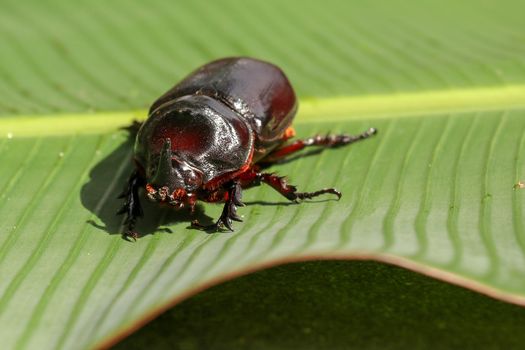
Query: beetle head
[[174, 179]]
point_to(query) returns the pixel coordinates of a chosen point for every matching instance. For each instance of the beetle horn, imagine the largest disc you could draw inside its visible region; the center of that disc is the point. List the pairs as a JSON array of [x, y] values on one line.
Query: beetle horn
[[164, 171]]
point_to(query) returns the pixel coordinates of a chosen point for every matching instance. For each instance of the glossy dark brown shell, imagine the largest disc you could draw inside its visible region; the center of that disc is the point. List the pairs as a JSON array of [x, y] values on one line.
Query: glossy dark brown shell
[[204, 133], [220, 117], [259, 91]]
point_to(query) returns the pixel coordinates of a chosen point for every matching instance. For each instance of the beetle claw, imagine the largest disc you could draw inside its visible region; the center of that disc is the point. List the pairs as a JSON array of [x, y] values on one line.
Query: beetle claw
[[208, 228], [196, 224], [310, 195], [130, 236], [235, 217], [228, 223], [236, 192]]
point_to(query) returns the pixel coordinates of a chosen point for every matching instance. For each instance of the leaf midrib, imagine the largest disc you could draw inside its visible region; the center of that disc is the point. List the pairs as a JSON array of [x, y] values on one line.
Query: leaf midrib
[[330, 108]]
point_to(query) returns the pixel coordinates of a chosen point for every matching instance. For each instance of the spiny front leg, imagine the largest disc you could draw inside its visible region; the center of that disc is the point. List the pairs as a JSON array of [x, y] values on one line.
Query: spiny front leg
[[131, 206], [229, 211]]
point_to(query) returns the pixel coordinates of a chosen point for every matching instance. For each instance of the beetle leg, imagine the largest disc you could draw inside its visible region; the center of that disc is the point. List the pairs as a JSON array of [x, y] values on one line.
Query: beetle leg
[[280, 184], [329, 141], [229, 211], [131, 206]]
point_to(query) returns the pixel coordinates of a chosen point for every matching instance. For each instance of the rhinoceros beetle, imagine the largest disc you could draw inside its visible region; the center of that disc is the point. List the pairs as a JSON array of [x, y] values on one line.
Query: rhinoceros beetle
[[209, 137]]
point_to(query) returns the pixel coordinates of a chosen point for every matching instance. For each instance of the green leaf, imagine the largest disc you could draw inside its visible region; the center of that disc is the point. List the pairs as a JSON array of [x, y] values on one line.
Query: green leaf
[[434, 191], [335, 305]]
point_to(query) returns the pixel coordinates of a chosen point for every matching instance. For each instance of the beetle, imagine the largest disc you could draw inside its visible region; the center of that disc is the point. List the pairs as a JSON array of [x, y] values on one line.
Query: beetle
[[211, 135]]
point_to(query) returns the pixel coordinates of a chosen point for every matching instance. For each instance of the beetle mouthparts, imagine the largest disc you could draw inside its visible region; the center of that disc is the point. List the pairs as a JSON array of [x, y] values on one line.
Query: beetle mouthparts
[[176, 198]]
